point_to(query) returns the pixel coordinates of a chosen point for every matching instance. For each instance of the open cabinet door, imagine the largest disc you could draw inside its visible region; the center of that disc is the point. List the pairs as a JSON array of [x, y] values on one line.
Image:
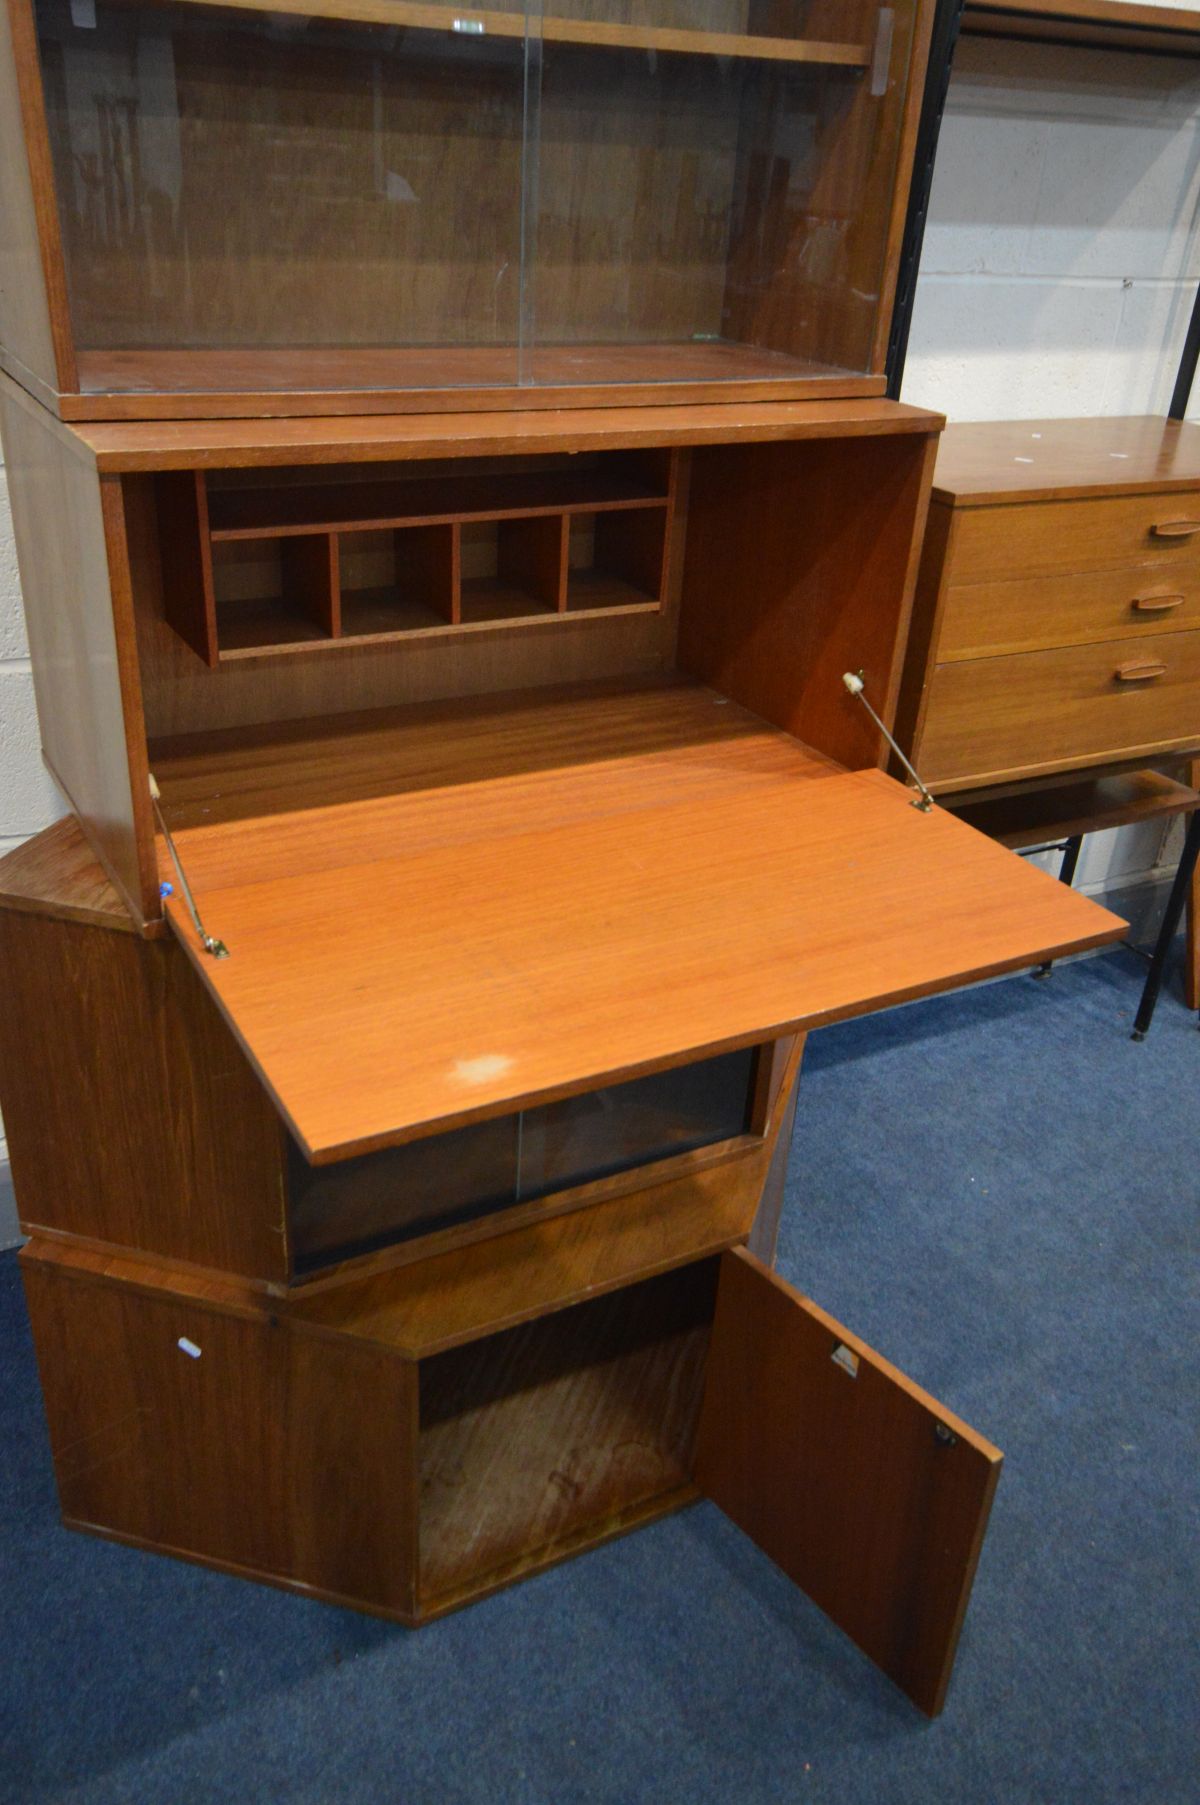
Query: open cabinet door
[[856, 1482]]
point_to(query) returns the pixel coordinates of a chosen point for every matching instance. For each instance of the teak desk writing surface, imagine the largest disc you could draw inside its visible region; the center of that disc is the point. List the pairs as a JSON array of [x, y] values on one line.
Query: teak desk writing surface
[[528, 907], [1056, 630]]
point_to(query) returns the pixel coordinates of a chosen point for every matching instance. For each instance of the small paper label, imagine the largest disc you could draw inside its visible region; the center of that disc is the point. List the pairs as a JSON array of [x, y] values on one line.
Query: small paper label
[[846, 1359]]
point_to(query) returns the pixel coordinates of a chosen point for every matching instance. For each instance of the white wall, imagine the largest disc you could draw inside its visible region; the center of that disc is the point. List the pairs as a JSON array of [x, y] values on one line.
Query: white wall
[[1061, 260]]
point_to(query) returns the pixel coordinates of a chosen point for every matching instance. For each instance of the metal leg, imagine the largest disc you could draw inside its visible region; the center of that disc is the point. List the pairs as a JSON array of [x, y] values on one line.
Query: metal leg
[[1066, 875], [1170, 925]]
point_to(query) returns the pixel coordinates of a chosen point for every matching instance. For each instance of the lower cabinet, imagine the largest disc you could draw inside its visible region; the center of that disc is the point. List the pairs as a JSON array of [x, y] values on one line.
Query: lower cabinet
[[207, 1420]]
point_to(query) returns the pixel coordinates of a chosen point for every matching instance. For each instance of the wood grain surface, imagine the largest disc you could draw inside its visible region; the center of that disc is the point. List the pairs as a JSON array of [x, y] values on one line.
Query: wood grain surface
[[599, 738], [238, 1454], [1027, 614], [552, 29], [865, 1491], [624, 916], [132, 1115], [214, 443], [1029, 460], [997, 718], [823, 584], [1031, 539], [563, 1424], [56, 873]]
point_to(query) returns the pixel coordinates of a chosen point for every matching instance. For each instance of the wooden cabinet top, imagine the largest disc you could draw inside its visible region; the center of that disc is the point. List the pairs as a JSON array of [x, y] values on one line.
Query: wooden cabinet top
[[1044, 460]]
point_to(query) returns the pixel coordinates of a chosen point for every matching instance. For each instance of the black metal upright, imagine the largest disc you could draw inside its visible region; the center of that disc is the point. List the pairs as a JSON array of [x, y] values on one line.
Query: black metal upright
[[946, 23], [1187, 364]]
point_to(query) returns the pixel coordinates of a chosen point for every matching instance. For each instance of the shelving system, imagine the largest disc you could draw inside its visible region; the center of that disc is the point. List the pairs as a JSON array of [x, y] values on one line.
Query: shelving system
[[406, 1232]]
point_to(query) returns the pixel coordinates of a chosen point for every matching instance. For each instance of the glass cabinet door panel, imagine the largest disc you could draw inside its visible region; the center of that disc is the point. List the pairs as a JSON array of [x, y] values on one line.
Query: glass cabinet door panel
[[422, 1187], [714, 188], [264, 199]]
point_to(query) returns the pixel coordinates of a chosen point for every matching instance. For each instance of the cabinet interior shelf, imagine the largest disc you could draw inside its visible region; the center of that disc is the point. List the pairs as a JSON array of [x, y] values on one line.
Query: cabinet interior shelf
[[252, 571], [586, 33], [255, 513]]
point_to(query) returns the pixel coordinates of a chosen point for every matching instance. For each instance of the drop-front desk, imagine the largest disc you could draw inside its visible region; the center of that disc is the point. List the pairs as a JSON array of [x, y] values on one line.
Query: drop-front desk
[[409, 1226]]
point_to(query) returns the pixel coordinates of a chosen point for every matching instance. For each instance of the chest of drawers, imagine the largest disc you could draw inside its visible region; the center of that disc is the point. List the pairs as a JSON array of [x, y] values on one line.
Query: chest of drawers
[[1056, 625], [1057, 621]]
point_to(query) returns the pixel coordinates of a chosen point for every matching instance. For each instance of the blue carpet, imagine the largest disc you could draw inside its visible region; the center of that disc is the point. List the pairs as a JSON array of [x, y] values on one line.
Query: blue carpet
[[998, 1190]]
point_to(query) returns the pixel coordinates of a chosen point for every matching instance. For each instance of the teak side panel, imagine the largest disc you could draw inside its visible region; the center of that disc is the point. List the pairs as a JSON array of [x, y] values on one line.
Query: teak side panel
[[69, 536], [929, 602], [162, 1140], [831, 536], [285, 1456], [731, 919], [857, 1483]]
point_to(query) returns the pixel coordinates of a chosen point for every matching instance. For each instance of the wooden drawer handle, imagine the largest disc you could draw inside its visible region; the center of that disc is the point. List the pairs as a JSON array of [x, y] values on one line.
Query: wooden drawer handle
[[1175, 529], [1142, 671], [1157, 601]]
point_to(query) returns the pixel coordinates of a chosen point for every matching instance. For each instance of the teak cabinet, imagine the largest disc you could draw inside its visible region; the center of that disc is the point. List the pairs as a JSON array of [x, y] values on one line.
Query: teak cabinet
[[530, 205], [470, 816], [527, 909]]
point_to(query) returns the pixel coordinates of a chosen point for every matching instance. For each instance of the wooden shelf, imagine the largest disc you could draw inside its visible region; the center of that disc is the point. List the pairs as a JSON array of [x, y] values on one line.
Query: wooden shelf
[[1098, 24], [301, 566], [269, 624], [488, 601], [266, 379], [589, 34], [599, 592], [255, 513], [247, 773], [496, 1415], [1082, 805], [386, 613]]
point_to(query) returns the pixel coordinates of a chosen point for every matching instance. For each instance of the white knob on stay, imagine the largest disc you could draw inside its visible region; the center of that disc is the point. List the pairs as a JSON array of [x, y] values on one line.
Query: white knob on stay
[[853, 684]]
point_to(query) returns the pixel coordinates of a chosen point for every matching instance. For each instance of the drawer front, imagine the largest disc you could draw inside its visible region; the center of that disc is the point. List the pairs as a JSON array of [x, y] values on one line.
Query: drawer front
[[1032, 537], [1043, 711], [1025, 614]]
